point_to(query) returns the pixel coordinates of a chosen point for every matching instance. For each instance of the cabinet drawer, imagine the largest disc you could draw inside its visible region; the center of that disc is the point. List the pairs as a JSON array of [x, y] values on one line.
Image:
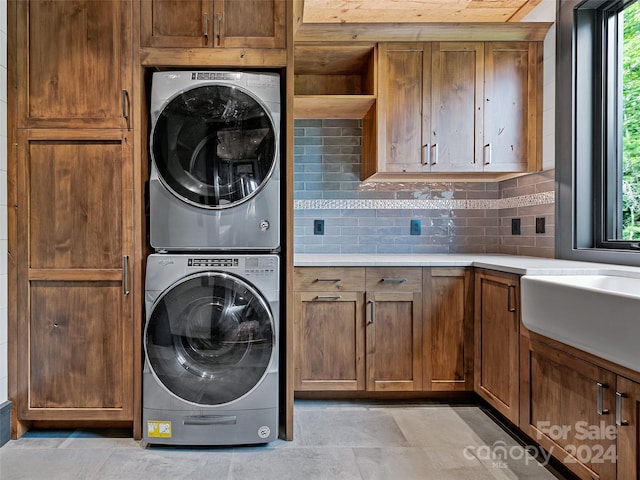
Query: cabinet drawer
[[394, 279], [317, 279]]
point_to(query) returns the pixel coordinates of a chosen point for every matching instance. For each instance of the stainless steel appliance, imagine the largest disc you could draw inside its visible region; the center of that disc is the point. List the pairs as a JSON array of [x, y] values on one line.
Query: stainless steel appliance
[[211, 352], [215, 171]]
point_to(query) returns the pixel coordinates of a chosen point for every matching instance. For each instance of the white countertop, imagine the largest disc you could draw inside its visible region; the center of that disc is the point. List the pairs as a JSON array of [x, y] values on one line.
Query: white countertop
[[505, 263]]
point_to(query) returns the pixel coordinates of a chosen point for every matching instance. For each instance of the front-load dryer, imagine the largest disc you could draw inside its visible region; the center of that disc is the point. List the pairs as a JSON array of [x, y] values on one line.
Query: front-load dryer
[[215, 161], [211, 355]]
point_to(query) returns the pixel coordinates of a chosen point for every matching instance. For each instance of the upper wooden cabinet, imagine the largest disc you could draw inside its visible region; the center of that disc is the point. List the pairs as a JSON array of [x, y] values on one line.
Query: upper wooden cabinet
[[75, 65], [213, 23], [457, 107]]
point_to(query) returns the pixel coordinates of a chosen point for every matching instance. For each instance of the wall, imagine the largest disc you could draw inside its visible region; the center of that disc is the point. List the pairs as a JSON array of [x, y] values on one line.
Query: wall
[[3, 203], [455, 217], [362, 217]]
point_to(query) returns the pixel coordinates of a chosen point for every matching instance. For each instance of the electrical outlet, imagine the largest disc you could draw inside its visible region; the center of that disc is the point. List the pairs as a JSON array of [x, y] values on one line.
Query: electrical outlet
[[416, 227], [318, 227], [515, 226], [540, 227]]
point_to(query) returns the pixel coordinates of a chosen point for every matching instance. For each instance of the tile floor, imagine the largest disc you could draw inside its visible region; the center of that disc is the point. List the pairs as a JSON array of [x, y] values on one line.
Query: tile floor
[[333, 440]]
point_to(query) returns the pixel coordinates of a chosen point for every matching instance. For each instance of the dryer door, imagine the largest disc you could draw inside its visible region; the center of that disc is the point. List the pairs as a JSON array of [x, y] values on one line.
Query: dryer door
[[210, 338], [214, 146]]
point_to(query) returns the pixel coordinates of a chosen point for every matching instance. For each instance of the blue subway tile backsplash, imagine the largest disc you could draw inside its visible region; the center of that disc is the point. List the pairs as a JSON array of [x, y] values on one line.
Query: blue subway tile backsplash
[[368, 217]]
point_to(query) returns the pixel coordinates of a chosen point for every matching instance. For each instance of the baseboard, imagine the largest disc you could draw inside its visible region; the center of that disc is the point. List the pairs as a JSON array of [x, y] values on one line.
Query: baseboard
[[5, 422]]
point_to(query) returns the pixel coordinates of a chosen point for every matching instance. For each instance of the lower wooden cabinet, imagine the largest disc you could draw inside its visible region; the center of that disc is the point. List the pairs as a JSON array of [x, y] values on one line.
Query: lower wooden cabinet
[[394, 329], [448, 329], [329, 341], [497, 336], [383, 329], [357, 334], [628, 422], [570, 411]]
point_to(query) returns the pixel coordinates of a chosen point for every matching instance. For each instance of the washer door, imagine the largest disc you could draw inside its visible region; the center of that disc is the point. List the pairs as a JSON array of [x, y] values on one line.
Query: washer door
[[210, 338], [214, 146]]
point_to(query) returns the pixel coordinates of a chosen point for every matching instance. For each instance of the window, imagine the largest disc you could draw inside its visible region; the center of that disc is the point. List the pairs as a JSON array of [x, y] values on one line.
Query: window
[[598, 131], [620, 194]]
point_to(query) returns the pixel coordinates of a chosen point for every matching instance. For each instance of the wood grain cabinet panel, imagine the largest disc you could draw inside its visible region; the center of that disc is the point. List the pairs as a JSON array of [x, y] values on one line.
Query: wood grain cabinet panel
[[78, 346], [570, 413], [329, 341], [75, 63], [448, 328], [471, 108], [628, 421], [75, 327], [512, 107], [213, 23], [497, 336], [456, 106], [394, 328]]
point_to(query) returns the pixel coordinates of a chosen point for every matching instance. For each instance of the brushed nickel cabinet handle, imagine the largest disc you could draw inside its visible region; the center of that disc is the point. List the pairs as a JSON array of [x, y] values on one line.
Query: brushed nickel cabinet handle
[[426, 155], [599, 405], [619, 421], [511, 301], [487, 154], [218, 24], [434, 157], [328, 297], [372, 311], [393, 280], [334, 280], [125, 275], [125, 105], [205, 27]]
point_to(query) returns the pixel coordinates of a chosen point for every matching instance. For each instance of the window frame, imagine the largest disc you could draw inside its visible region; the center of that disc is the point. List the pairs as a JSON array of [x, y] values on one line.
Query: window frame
[[585, 139]]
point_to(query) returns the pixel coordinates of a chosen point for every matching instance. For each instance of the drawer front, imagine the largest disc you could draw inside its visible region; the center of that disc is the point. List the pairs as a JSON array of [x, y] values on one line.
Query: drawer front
[[327, 279], [394, 279]]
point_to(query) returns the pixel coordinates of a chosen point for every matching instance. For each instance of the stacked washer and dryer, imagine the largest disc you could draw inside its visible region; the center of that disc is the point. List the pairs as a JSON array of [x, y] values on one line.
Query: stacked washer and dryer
[[212, 289]]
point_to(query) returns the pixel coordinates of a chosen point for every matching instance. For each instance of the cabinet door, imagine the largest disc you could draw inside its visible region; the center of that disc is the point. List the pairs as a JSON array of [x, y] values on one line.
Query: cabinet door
[[497, 329], [329, 341], [403, 107], [448, 329], [250, 23], [213, 23], [75, 326], [176, 23], [456, 106], [628, 413], [511, 110], [75, 64], [394, 341], [571, 404]]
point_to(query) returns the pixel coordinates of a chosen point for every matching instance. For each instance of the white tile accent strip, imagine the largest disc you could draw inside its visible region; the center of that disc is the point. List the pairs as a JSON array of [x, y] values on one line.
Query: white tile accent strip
[[543, 198]]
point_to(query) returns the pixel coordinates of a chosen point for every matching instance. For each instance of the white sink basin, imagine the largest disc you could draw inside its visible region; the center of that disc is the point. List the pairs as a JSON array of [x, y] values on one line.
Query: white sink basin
[[599, 314]]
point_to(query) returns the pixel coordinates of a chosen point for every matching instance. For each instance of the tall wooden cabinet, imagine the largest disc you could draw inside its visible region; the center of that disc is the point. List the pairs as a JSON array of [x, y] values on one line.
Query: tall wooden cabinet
[[497, 337], [213, 23], [74, 215]]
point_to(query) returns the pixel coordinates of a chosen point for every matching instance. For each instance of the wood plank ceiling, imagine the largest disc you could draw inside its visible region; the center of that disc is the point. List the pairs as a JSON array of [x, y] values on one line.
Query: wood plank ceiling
[[415, 11]]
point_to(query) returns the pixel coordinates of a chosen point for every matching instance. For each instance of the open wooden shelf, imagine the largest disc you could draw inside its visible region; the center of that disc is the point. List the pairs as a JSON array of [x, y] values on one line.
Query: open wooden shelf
[[332, 106]]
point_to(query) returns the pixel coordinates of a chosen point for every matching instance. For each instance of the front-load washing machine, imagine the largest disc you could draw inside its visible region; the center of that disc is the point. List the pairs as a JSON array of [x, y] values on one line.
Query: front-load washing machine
[[211, 355], [215, 161]]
